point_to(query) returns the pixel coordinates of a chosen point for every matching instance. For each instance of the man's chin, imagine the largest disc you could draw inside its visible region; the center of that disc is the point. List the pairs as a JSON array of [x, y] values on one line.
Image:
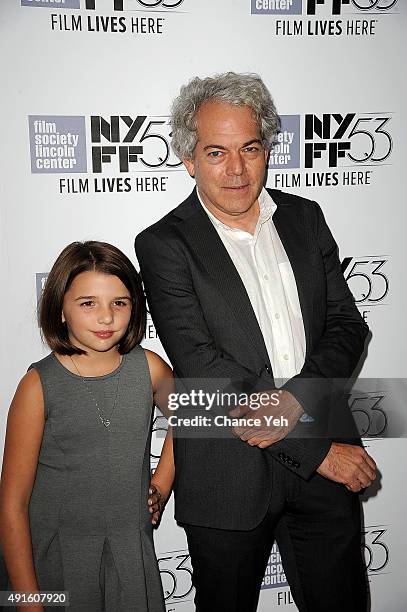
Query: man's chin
[[239, 202]]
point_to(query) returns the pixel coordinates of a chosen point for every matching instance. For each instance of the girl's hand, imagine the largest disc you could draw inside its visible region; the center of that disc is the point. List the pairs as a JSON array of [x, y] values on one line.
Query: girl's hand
[[156, 502]]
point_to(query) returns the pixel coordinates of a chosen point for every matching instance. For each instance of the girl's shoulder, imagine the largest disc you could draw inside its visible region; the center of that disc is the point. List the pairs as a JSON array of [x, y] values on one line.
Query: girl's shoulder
[[157, 363], [31, 386], [43, 364], [47, 371], [159, 369], [29, 390]]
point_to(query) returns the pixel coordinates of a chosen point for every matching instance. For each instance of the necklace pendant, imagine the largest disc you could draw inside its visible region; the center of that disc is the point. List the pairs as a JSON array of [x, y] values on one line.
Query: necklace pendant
[[106, 422]]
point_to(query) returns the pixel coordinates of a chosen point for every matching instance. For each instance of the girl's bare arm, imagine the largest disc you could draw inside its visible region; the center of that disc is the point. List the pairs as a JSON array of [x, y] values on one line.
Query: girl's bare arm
[[163, 477], [25, 425]]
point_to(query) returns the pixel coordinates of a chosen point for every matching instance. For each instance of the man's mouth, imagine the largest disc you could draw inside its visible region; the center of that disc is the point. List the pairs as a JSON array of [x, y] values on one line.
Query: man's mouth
[[237, 187]]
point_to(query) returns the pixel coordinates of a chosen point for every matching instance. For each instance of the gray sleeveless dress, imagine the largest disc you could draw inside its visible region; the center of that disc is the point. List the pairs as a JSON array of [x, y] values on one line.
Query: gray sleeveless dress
[[89, 519]]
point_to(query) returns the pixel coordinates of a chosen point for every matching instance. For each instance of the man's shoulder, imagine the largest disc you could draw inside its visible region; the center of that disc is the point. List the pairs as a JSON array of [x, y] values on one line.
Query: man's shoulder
[[165, 226], [283, 198], [293, 208]]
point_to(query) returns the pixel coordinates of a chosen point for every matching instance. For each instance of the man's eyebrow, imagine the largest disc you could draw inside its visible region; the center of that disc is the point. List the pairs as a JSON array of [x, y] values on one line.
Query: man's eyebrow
[[255, 140], [214, 146], [223, 148]]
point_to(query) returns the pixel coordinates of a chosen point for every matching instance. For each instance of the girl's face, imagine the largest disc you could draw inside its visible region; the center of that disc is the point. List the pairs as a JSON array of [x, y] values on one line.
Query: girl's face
[[97, 310]]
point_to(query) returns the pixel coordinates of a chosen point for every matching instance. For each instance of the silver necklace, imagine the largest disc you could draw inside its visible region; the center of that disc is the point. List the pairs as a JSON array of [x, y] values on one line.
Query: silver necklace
[[105, 421]]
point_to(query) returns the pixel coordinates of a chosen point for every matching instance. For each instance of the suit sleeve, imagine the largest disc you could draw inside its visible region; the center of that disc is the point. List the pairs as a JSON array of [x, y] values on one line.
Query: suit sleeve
[[336, 354], [184, 333]]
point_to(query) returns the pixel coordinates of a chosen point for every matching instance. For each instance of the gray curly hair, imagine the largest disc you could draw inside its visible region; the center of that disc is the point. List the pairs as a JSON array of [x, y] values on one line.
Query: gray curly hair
[[231, 88]]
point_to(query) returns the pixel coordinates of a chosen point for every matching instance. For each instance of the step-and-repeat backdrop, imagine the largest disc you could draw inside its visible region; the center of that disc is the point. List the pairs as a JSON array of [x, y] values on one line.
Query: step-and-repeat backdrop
[[85, 142]]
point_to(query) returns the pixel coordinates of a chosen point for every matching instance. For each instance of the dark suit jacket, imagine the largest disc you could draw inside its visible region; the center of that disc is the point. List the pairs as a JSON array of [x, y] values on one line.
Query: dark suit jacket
[[208, 328]]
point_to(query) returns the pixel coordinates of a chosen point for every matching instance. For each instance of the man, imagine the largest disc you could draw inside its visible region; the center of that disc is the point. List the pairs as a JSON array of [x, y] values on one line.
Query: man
[[245, 283]]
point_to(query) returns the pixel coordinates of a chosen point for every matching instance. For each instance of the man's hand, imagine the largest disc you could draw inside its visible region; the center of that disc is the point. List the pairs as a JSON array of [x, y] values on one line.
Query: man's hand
[[267, 433], [349, 464]]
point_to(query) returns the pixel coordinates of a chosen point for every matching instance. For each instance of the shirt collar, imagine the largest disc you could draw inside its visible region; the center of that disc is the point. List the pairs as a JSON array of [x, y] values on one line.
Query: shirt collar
[[267, 206], [267, 210]]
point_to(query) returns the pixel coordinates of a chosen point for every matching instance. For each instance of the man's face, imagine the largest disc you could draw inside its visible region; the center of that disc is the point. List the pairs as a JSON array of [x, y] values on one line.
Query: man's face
[[229, 159]]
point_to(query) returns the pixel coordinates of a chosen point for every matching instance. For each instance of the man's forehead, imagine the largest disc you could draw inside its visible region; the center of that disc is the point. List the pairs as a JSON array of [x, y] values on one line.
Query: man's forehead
[[220, 109], [226, 120]]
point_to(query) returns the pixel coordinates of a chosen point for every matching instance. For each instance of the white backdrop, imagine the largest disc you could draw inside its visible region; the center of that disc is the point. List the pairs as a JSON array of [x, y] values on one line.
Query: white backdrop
[[336, 72]]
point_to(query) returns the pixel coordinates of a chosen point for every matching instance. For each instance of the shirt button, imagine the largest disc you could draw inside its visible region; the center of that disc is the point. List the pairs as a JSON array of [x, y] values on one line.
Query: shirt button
[[265, 277], [285, 357], [277, 315]]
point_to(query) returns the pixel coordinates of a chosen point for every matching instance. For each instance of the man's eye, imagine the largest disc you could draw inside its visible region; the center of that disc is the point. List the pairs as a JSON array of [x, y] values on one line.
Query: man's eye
[[215, 154], [251, 149]]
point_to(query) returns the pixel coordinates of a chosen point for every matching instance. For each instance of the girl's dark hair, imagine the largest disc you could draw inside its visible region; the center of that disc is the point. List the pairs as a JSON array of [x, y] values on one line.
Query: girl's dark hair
[[85, 257]]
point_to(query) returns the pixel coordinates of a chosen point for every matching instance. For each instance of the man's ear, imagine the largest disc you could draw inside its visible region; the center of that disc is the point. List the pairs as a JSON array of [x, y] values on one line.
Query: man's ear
[[190, 166]]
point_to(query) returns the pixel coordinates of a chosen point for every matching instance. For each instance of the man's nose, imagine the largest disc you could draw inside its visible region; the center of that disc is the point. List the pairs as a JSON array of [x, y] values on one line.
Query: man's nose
[[235, 165], [105, 314]]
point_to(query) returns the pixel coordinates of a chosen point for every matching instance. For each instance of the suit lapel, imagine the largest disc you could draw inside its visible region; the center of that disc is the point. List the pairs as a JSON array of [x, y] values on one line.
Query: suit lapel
[[199, 231]]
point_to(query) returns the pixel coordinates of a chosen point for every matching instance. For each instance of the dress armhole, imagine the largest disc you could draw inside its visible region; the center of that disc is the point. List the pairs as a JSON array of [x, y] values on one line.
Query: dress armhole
[[147, 365], [33, 366]]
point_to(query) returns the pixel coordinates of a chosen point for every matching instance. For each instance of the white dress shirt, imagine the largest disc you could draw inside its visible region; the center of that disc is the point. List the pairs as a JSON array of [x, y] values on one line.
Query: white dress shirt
[[266, 273]]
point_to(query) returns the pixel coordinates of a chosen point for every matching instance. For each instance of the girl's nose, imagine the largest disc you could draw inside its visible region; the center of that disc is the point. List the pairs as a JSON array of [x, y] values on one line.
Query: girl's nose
[[105, 315]]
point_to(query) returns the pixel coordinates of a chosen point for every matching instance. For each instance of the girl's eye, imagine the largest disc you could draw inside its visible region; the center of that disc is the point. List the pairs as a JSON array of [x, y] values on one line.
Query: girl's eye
[[120, 303], [88, 303]]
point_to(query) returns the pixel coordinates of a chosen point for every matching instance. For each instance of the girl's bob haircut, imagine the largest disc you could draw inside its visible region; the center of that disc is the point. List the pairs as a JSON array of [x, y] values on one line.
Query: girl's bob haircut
[[90, 256]]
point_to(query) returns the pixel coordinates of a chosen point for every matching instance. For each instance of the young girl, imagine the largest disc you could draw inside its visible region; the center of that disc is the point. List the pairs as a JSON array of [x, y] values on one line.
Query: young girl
[[76, 473]]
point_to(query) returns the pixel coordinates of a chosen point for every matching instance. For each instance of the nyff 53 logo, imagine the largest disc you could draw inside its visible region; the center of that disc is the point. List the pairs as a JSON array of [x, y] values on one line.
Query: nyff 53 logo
[[176, 576], [152, 135], [315, 7], [354, 138], [376, 549], [337, 6], [331, 140], [367, 278], [123, 143], [369, 413]]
